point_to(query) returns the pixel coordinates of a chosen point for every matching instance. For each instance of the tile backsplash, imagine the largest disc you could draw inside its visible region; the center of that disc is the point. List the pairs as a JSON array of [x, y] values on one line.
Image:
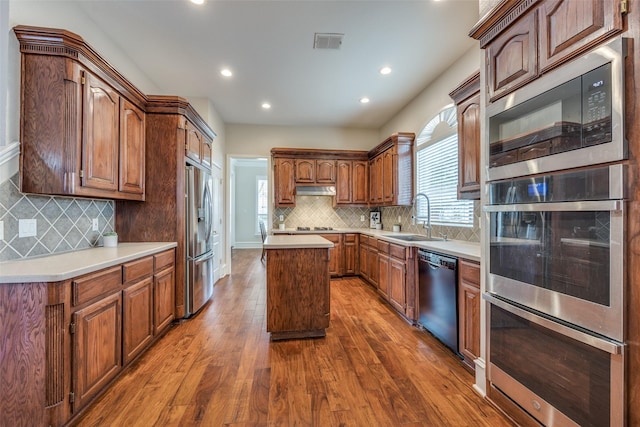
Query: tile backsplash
[[63, 223], [318, 211], [471, 234]]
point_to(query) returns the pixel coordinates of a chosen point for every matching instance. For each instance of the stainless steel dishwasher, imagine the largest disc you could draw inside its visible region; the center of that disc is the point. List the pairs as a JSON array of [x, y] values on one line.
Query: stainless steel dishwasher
[[438, 296]]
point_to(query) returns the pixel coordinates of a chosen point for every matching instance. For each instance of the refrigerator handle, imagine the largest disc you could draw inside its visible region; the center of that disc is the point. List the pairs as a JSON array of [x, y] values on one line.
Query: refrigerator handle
[[207, 201]]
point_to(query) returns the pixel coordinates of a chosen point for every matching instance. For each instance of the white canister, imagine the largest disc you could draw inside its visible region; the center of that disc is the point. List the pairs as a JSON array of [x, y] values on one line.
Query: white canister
[[378, 226], [281, 226], [110, 241], [396, 228]]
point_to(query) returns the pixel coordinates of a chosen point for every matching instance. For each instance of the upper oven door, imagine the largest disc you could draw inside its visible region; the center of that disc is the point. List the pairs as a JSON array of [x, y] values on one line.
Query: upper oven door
[[562, 259], [571, 117]]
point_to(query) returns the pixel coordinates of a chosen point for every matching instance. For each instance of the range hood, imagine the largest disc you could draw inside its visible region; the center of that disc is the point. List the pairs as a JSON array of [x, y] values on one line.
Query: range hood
[[313, 190]]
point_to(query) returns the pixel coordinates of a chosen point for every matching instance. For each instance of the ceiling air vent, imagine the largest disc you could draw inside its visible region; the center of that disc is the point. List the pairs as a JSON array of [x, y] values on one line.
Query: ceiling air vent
[[327, 40]]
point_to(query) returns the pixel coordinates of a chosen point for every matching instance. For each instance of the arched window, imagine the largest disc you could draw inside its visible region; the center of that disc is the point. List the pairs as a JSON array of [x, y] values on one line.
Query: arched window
[[437, 172]]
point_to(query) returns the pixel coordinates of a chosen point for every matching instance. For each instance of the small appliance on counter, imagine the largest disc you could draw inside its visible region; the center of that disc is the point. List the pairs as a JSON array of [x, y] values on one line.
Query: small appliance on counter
[[374, 219]]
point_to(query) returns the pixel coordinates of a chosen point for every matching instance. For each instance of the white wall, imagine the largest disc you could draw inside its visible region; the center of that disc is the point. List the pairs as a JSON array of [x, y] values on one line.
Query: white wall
[[415, 115], [246, 205], [258, 140]]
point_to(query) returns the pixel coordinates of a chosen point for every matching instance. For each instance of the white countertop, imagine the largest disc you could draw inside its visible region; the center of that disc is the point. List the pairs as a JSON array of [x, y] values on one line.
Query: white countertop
[[54, 268], [296, 241], [457, 248]]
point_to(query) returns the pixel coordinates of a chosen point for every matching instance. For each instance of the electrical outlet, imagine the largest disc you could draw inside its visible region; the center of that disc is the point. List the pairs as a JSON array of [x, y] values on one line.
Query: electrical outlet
[[94, 225], [281, 218], [399, 218], [1, 230], [362, 218], [27, 227]]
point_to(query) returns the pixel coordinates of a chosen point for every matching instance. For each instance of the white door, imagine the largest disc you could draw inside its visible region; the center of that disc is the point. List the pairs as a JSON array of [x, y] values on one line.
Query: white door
[[218, 226]]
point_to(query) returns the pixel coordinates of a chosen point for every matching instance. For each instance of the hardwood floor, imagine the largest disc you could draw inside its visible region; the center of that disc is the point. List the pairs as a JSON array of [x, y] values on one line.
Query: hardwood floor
[[220, 369]]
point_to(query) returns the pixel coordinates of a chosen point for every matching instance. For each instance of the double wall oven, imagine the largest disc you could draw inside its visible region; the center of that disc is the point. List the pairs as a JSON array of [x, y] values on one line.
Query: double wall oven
[[555, 239]]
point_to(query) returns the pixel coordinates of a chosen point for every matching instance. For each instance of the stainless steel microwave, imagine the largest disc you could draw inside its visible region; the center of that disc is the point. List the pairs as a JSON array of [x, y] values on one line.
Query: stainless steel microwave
[[569, 118]]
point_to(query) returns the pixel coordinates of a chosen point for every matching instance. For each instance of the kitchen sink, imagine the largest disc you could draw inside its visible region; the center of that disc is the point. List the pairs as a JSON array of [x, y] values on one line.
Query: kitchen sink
[[413, 238]]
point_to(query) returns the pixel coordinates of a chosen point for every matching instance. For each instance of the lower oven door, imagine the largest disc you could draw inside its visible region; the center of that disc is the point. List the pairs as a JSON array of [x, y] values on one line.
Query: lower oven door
[[561, 375]]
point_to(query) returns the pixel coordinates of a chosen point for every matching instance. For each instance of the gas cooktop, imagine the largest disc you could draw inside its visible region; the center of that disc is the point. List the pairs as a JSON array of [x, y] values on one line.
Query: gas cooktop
[[314, 228]]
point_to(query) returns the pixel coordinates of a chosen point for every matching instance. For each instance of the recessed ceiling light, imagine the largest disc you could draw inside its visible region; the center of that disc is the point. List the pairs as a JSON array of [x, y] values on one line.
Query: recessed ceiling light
[[197, 1], [364, 100], [266, 105], [226, 72], [385, 70]]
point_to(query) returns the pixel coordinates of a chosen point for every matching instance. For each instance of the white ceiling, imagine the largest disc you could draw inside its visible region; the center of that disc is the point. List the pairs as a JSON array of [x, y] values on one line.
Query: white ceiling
[[269, 46]]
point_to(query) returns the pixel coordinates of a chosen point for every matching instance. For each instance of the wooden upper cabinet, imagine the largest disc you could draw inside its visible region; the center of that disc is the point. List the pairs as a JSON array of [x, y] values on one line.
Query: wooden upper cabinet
[[391, 171], [360, 183], [389, 175], [315, 171], [193, 146], [569, 27], [207, 153], [344, 192], [101, 137], [305, 171], [284, 182], [82, 124], [467, 99], [352, 180], [132, 151], [512, 57], [325, 172]]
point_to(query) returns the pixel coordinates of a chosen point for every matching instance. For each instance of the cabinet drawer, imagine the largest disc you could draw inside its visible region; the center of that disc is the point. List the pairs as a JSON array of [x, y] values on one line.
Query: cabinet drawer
[[350, 238], [383, 246], [137, 269], [364, 240], [95, 285], [398, 251], [469, 272], [164, 259]]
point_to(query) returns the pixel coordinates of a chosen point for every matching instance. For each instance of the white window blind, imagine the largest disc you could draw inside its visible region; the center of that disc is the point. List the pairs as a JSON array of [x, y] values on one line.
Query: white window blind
[[437, 177]]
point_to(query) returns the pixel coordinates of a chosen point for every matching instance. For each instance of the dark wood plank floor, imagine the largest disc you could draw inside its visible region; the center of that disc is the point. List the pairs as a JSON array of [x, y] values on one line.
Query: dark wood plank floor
[[220, 369]]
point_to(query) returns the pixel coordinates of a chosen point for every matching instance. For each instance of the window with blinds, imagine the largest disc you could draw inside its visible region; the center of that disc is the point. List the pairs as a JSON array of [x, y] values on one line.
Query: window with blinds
[[437, 177]]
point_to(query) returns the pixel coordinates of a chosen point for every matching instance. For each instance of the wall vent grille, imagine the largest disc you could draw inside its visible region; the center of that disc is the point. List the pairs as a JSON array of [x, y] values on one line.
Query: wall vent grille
[[327, 40]]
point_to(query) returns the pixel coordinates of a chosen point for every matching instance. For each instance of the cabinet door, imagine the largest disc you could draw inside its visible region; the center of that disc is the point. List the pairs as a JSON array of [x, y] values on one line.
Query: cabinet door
[[284, 187], [570, 27], [163, 299], [132, 146], [335, 254], [137, 321], [512, 57], [97, 351], [372, 265], [373, 182], [360, 183], [397, 290], [193, 147], [325, 172], [469, 148], [100, 142], [469, 311], [305, 171], [383, 275], [207, 151], [350, 254], [364, 270], [343, 182], [389, 176]]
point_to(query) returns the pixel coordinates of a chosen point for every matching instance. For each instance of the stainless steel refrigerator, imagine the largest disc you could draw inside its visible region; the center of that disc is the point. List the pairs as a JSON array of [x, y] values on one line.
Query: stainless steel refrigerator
[[199, 239]]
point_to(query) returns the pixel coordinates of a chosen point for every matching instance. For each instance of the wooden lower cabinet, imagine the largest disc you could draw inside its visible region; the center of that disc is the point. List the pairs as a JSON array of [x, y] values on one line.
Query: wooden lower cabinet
[[163, 299], [137, 318], [373, 267], [351, 254], [335, 254], [397, 284], [97, 354], [469, 311], [298, 299], [383, 275]]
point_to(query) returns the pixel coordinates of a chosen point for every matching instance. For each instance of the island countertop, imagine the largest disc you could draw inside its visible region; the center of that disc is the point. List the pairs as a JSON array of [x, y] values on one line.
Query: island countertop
[[296, 241], [57, 267]]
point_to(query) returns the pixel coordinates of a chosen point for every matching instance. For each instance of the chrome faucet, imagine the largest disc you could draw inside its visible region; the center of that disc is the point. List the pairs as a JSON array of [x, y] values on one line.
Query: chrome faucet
[[425, 224]]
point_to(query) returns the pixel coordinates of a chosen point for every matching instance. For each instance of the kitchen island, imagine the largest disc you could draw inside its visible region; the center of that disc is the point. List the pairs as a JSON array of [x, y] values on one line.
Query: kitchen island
[[297, 286]]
